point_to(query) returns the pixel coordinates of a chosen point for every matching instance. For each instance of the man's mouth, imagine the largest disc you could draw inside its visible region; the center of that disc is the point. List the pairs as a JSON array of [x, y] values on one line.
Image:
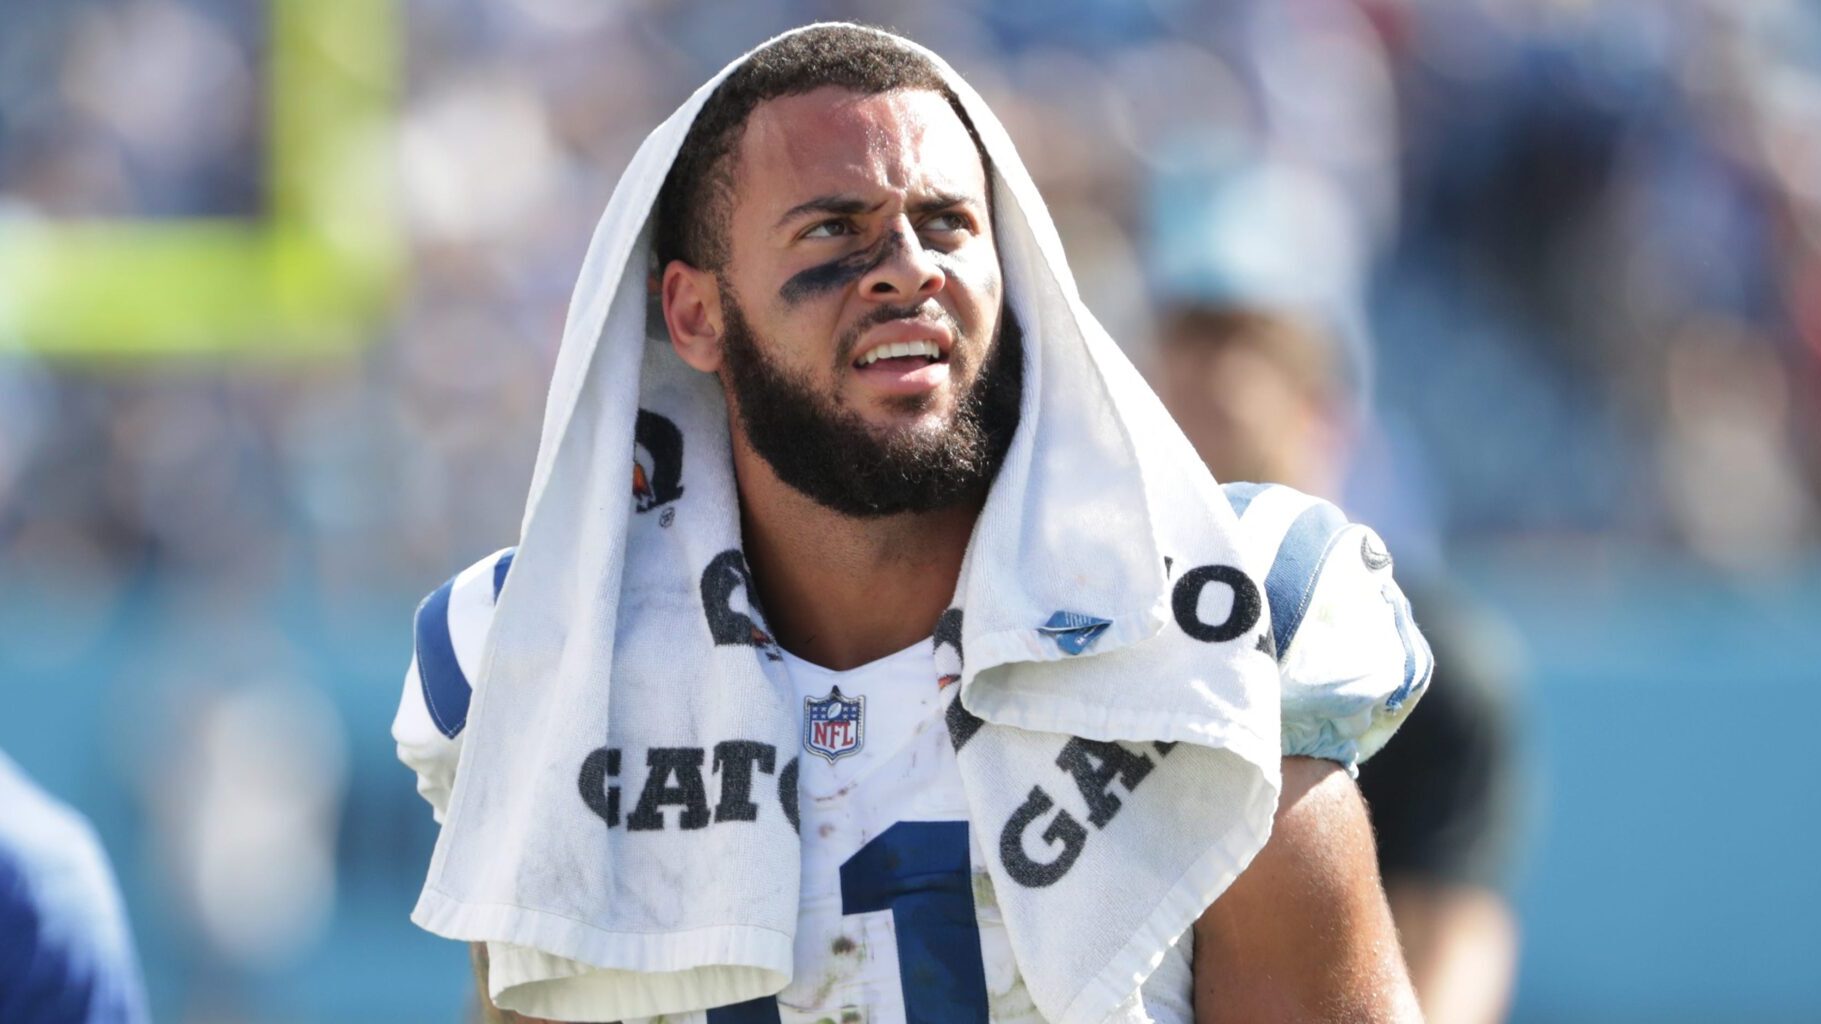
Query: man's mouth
[[904, 354], [904, 347]]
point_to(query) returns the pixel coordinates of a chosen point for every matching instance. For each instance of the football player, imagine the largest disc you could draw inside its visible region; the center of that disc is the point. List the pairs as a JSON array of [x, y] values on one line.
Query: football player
[[831, 203]]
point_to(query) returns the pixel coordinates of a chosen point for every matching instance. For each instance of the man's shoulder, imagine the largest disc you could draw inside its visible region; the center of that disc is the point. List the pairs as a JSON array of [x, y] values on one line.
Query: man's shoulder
[[1267, 512], [1351, 660], [1288, 536], [448, 637], [448, 634]]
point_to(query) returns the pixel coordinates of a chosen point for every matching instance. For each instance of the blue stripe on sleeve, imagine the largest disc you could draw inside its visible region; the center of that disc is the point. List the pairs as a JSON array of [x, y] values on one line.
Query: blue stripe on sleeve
[[1416, 653], [1240, 495], [1403, 633], [1291, 581], [446, 688], [500, 569]]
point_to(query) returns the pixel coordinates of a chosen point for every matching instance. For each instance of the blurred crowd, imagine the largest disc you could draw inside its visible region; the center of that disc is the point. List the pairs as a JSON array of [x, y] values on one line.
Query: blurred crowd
[[1573, 248], [1583, 236]]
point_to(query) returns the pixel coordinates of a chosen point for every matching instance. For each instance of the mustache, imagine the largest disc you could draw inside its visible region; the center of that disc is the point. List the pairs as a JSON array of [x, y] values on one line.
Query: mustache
[[929, 311]]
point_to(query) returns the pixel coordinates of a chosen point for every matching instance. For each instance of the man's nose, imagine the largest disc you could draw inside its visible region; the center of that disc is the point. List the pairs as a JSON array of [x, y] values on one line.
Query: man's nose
[[905, 271]]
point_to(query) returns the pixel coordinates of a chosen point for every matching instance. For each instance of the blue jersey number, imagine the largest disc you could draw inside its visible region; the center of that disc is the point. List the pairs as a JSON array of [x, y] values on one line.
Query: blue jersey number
[[763, 1010], [919, 871]]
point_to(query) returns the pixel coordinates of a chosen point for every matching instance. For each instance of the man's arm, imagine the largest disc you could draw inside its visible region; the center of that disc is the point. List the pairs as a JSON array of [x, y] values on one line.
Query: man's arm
[[1304, 935]]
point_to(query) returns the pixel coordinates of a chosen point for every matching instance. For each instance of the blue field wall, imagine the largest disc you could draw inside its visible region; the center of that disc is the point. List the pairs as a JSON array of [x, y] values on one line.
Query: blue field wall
[[1671, 870]]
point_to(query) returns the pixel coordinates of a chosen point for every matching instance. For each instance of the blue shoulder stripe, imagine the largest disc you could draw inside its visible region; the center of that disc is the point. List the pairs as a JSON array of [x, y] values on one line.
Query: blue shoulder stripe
[[1419, 661], [500, 569], [1240, 495], [446, 689], [1291, 580]]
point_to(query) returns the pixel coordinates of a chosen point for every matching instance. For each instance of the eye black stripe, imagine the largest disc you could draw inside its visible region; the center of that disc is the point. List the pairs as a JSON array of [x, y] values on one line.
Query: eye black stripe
[[837, 274]]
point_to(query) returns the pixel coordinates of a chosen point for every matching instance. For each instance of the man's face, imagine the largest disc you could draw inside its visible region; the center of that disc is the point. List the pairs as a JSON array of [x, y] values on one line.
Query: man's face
[[861, 301]]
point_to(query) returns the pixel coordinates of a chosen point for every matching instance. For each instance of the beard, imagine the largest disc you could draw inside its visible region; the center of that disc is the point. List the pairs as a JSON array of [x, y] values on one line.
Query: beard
[[832, 455]]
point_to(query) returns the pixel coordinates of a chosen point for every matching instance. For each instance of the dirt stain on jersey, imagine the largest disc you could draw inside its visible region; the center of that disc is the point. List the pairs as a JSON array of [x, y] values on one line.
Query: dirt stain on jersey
[[819, 997]]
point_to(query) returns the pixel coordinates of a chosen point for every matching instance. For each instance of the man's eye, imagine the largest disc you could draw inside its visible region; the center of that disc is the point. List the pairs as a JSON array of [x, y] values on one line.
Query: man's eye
[[830, 229], [946, 222]]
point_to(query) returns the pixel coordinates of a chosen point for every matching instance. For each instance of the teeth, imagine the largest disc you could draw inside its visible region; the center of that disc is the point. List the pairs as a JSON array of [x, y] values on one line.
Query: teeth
[[901, 350]]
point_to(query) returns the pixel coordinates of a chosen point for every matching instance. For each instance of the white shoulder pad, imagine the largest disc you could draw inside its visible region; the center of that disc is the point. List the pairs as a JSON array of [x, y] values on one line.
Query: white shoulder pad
[[1351, 659], [448, 635]]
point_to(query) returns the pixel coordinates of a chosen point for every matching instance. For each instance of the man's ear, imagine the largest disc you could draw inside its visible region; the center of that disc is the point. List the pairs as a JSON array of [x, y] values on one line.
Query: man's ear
[[692, 312]]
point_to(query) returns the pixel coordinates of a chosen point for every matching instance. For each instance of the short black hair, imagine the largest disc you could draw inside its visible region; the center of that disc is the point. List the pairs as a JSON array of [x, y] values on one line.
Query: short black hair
[[696, 202]]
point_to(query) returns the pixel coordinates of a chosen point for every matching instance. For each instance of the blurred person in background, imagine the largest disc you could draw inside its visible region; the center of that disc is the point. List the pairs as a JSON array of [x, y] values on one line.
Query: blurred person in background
[[66, 951], [1263, 361]]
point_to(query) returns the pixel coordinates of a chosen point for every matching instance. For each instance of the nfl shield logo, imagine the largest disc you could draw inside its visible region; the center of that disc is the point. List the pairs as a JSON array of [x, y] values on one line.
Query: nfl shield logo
[[834, 726]]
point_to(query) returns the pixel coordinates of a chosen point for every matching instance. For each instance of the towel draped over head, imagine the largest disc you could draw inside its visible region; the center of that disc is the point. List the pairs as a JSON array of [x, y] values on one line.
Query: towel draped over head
[[1103, 598]]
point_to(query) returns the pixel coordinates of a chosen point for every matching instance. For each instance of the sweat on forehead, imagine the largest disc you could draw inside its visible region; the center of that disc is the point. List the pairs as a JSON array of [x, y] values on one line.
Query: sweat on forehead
[[837, 152], [697, 198]]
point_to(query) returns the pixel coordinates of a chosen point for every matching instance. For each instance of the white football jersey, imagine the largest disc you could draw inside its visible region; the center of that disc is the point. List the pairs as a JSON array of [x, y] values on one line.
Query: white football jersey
[[897, 922]]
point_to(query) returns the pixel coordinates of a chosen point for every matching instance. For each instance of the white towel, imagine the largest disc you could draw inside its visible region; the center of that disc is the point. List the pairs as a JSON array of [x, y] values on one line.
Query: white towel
[[1103, 598]]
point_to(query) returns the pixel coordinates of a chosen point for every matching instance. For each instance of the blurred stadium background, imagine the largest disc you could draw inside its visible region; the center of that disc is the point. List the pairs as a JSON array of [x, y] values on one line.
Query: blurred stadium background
[[281, 283]]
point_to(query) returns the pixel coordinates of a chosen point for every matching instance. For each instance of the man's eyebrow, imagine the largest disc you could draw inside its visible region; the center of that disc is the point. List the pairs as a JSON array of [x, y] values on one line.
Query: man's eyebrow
[[939, 201], [849, 206], [837, 204]]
